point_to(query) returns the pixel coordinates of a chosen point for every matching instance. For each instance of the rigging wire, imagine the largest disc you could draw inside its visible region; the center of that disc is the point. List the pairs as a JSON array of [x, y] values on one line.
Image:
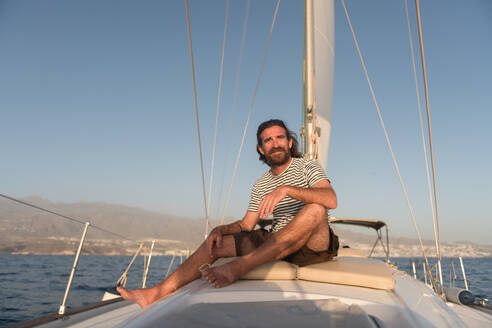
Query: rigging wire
[[431, 149], [196, 114], [422, 132], [65, 217], [217, 115], [250, 110], [233, 109], [395, 163]]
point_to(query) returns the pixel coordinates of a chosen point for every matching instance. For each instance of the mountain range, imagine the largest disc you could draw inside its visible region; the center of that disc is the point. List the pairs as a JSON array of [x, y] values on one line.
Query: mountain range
[[118, 230]]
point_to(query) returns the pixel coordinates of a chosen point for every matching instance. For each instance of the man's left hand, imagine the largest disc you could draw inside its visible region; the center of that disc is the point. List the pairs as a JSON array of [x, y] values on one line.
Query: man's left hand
[[271, 200]]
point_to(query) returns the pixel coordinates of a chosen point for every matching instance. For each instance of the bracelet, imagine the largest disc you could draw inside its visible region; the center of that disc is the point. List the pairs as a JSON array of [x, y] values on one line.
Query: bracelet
[[240, 227]]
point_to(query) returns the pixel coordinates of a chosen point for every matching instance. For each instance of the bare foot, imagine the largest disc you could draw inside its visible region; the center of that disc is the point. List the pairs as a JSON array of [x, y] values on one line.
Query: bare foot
[[223, 275], [143, 297]]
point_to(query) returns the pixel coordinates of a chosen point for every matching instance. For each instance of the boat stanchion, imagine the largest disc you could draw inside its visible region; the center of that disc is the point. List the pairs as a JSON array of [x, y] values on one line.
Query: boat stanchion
[[463, 272], [62, 308], [452, 276], [387, 249], [414, 271], [425, 272], [146, 271], [170, 265], [441, 281]]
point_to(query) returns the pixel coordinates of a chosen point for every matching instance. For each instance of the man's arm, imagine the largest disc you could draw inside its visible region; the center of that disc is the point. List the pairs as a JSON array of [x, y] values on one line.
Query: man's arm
[[321, 193], [247, 223]]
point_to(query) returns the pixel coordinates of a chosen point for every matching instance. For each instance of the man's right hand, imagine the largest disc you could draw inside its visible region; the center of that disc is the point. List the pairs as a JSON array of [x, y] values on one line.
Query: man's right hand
[[214, 240]]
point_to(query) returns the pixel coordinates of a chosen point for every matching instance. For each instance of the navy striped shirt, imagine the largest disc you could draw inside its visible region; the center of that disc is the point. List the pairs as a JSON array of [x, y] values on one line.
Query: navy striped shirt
[[301, 173]]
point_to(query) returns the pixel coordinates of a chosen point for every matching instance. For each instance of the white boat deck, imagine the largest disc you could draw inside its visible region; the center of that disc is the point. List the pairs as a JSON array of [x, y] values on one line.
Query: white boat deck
[[248, 303], [386, 306]]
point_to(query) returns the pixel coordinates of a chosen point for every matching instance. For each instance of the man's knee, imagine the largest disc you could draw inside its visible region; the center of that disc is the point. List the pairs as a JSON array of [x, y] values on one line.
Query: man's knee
[[228, 247], [317, 211]]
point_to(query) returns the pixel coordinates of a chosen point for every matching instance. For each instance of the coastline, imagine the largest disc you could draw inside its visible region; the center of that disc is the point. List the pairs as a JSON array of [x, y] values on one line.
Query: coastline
[[166, 247]]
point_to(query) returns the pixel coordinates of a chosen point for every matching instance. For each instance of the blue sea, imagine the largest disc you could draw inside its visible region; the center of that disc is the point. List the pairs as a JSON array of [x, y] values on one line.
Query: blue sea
[[33, 285]]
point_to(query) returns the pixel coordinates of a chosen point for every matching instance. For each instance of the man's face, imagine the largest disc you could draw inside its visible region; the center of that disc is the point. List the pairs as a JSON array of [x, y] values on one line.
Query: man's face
[[275, 145]]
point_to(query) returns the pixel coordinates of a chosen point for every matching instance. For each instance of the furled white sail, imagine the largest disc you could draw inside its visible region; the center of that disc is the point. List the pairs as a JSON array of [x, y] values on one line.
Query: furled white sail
[[324, 55], [319, 63]]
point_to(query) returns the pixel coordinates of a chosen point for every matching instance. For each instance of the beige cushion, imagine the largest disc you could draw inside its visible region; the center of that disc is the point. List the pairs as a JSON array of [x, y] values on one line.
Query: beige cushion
[[354, 271], [351, 252], [345, 270], [275, 270]]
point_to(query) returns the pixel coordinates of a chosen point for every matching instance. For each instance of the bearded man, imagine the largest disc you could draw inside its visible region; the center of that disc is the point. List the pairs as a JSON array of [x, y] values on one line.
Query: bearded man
[[295, 191]]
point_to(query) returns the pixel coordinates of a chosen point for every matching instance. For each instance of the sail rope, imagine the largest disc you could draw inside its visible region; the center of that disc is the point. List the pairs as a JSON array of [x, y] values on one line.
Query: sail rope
[[217, 115], [431, 149], [421, 121], [395, 163], [64, 216], [233, 108], [196, 114], [269, 39]]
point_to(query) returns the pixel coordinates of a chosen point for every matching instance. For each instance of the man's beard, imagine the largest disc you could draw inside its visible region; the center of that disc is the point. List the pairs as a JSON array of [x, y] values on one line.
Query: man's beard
[[277, 156]]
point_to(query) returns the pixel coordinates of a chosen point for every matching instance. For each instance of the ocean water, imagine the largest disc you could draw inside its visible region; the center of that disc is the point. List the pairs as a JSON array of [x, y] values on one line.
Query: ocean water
[[33, 285]]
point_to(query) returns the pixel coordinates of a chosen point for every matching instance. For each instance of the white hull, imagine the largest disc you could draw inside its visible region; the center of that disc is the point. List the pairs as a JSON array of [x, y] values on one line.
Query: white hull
[[270, 303]]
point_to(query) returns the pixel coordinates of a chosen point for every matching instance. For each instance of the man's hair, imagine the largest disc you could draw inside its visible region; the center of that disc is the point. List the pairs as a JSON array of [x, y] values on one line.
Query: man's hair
[[294, 151]]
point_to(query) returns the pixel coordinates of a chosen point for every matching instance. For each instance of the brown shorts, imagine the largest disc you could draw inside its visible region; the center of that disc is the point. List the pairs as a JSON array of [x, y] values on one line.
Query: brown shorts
[[246, 242]]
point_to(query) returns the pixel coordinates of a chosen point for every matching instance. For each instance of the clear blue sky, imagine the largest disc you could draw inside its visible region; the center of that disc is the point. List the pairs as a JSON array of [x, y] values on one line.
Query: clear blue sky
[[96, 104]]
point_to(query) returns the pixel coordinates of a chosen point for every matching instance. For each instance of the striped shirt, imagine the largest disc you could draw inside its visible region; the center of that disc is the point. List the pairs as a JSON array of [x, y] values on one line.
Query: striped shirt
[[301, 173]]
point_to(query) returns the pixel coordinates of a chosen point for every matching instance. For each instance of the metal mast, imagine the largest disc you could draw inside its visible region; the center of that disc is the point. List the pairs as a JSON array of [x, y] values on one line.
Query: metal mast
[[309, 131]]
